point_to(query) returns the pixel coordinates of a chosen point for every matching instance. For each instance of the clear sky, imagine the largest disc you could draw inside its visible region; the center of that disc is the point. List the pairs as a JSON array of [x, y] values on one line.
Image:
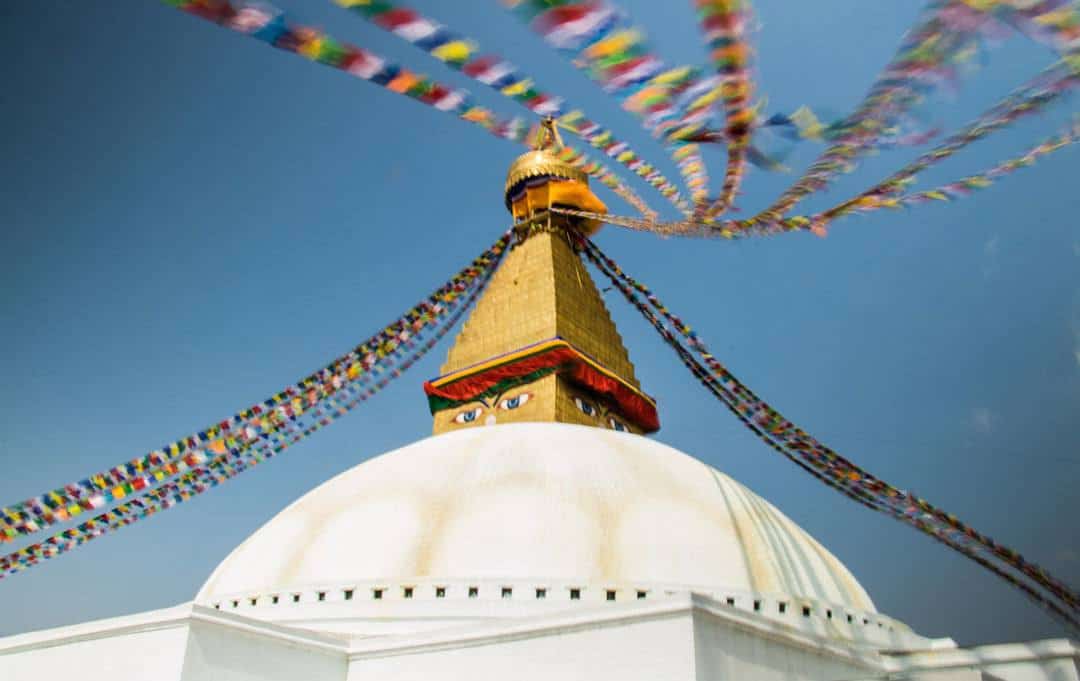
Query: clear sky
[[192, 220]]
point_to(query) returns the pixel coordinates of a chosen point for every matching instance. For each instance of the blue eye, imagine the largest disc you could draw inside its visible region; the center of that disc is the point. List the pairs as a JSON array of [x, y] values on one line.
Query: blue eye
[[514, 402], [617, 425], [584, 406], [468, 416]]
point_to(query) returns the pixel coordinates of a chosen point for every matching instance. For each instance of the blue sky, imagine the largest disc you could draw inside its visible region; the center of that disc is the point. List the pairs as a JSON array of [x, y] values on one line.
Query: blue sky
[[193, 220]]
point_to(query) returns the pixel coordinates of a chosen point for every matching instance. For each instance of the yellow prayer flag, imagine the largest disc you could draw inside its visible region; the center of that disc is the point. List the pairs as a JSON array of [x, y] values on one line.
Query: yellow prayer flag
[[517, 88], [454, 51], [673, 75], [615, 43], [706, 99]]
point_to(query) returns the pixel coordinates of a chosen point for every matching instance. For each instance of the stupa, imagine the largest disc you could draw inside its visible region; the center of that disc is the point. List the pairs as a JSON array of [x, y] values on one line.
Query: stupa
[[537, 534]]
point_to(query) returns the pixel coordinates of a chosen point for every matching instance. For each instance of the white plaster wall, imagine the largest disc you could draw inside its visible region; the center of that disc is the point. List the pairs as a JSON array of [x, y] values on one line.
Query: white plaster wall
[[1032, 670], [966, 674], [222, 653], [138, 655], [723, 652], [659, 648], [1049, 660], [325, 607]]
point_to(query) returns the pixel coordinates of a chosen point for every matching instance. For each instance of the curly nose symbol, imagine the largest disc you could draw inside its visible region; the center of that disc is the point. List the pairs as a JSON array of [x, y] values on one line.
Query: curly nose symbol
[[490, 420]]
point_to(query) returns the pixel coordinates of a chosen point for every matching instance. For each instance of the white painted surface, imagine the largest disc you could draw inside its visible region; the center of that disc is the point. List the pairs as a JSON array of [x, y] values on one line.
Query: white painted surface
[[723, 650], [539, 501], [1050, 660], [687, 637], [628, 649], [416, 605], [217, 651], [133, 648]]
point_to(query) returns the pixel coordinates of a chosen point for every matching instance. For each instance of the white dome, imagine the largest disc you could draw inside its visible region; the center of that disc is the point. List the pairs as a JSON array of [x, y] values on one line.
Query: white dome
[[539, 501]]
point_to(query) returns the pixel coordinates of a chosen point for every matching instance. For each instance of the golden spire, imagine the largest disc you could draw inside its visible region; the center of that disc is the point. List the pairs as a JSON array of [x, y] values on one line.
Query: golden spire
[[542, 161], [540, 344]]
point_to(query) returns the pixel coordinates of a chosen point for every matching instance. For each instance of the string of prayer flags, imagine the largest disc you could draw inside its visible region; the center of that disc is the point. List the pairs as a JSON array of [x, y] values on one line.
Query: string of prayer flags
[[828, 466], [1033, 97], [818, 224], [464, 55], [237, 459], [888, 193], [723, 23], [95, 492], [931, 55], [270, 25], [675, 104], [615, 55]]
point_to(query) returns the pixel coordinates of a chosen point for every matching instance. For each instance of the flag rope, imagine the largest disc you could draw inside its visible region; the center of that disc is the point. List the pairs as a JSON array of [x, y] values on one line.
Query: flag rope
[[247, 454], [95, 492], [825, 464], [463, 55], [270, 25]]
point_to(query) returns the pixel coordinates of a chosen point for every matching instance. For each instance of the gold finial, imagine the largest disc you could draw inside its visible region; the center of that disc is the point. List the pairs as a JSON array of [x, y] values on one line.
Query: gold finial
[[547, 137], [542, 161]]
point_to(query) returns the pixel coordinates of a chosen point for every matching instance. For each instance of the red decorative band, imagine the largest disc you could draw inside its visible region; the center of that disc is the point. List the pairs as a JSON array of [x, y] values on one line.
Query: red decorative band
[[554, 355]]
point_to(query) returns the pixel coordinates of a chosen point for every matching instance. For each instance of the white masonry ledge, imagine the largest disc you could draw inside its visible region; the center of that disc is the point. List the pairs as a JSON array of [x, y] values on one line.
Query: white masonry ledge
[[691, 636]]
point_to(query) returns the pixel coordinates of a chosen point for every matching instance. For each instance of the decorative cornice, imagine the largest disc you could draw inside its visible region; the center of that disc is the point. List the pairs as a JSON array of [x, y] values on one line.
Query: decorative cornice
[[554, 354]]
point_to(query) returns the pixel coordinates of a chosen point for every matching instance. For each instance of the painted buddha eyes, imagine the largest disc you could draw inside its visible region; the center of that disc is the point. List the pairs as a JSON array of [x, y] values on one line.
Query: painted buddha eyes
[[468, 416], [517, 401], [514, 402], [590, 409], [508, 404], [585, 407]]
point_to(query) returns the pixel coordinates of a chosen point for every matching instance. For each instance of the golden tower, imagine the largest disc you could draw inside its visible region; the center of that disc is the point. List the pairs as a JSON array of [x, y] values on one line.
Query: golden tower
[[541, 345]]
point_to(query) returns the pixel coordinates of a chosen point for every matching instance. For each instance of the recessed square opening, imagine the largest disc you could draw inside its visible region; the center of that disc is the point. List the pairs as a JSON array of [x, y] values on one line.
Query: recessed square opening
[[236, 604], [642, 594], [541, 594], [474, 591], [849, 618], [407, 592], [253, 601], [782, 607], [440, 592], [806, 611], [348, 594], [757, 606], [274, 599], [217, 606], [296, 598], [828, 614], [610, 593], [507, 592], [377, 594], [575, 594], [730, 601], [322, 595]]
